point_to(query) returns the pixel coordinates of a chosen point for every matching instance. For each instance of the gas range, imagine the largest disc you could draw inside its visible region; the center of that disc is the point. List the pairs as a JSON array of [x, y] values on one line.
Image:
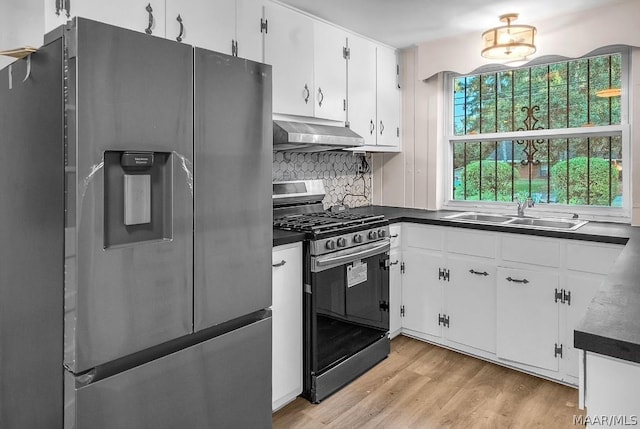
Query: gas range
[[327, 231], [346, 286]]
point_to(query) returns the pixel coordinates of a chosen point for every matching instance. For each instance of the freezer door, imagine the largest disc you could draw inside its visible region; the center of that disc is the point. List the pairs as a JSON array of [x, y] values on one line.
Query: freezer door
[[224, 382], [127, 286], [232, 170]]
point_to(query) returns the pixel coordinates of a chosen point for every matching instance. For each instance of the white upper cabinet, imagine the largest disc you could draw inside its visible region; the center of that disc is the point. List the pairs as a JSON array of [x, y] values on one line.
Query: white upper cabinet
[[388, 98], [147, 16], [288, 47], [202, 23], [373, 98], [361, 98], [249, 33], [330, 72]]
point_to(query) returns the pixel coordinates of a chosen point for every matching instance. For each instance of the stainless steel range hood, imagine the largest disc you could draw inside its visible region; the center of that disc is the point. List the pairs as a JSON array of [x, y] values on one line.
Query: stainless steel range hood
[[306, 137]]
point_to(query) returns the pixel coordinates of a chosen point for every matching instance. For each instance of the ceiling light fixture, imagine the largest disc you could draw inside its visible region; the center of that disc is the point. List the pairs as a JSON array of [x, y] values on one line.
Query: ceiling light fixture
[[509, 42]]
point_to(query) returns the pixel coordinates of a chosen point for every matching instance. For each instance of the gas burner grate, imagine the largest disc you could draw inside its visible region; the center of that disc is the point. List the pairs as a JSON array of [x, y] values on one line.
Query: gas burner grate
[[323, 221]]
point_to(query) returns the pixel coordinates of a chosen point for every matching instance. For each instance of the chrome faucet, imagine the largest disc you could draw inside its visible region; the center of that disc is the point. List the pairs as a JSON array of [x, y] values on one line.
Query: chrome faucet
[[523, 205]]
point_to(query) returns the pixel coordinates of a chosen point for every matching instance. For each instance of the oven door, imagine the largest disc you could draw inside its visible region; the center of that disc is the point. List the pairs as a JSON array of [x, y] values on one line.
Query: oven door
[[349, 296]]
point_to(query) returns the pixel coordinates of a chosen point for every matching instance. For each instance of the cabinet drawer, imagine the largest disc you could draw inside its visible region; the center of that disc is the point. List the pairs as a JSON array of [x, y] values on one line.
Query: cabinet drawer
[[592, 258], [519, 248], [472, 243], [424, 237]]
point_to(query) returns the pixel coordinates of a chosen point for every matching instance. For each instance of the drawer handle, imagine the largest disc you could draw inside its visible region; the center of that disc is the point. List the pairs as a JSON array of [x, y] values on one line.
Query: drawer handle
[[480, 273], [394, 263], [279, 264], [394, 236], [524, 281]]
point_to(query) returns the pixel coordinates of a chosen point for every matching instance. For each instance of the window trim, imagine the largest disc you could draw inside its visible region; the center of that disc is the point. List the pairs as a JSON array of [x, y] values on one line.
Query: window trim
[[614, 214]]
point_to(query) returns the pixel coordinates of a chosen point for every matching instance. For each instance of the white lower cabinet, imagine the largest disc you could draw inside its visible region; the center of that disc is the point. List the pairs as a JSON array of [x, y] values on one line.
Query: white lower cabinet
[[447, 293], [513, 299], [287, 324], [527, 322], [611, 392], [395, 279], [421, 291], [395, 292], [470, 297]]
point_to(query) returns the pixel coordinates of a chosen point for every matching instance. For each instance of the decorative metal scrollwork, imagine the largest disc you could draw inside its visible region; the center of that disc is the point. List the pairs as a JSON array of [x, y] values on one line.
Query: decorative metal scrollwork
[[530, 145]]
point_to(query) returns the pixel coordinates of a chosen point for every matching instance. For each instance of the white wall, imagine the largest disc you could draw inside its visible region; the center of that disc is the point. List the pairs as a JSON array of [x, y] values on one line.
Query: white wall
[[420, 164], [21, 24]]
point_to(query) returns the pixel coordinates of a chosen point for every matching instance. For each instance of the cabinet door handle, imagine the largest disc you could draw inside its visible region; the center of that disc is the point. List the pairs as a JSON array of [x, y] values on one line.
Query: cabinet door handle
[[372, 127], [394, 236], [179, 19], [307, 94], [149, 10], [479, 273], [381, 127], [524, 281], [320, 97], [279, 264]]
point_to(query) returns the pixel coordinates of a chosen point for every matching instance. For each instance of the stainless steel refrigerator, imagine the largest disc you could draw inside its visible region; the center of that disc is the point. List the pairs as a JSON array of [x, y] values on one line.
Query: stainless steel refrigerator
[[135, 275]]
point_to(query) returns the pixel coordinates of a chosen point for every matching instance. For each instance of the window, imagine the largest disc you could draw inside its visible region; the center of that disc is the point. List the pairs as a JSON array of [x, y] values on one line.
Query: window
[[544, 132]]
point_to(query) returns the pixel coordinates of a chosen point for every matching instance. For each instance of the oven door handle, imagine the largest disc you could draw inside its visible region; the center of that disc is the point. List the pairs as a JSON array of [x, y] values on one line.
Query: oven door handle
[[323, 263]]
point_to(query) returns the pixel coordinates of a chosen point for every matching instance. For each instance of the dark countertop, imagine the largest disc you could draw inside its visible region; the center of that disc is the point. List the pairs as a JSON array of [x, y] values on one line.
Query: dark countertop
[[281, 237], [611, 325]]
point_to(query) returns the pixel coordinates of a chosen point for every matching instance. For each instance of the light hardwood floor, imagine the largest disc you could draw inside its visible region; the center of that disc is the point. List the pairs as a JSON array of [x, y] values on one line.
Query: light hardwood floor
[[423, 386]]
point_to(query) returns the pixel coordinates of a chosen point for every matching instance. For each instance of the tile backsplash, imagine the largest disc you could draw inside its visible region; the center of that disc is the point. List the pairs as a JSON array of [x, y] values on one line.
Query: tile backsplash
[[338, 171]]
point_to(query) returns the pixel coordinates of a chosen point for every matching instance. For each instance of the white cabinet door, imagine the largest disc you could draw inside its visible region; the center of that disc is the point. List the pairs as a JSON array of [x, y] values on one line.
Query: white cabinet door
[[330, 72], [361, 97], [287, 324], [249, 14], [527, 317], [583, 287], [395, 292], [388, 98], [470, 301], [205, 24], [147, 16], [422, 291], [288, 47]]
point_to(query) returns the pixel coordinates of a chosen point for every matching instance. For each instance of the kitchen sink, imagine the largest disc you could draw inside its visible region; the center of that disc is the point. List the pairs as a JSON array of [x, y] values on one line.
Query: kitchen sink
[[479, 217], [558, 224], [555, 223]]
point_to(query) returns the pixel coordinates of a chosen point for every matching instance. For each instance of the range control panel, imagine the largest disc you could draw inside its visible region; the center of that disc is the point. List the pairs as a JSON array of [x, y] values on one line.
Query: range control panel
[[348, 240]]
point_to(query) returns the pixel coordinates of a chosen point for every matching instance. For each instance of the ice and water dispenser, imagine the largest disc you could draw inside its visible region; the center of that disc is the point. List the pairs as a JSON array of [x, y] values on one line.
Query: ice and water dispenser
[[137, 197]]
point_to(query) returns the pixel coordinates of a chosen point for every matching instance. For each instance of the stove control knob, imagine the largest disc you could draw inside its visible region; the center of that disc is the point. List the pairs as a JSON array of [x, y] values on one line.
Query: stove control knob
[[330, 245], [341, 242], [373, 235], [382, 233], [357, 238]]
